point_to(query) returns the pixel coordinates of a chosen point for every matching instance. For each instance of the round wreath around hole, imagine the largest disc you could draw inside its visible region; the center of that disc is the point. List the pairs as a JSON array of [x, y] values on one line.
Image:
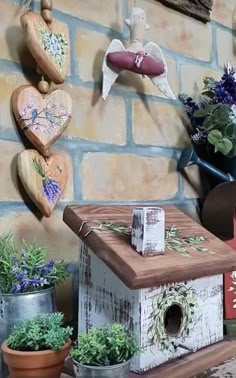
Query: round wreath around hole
[[177, 295]]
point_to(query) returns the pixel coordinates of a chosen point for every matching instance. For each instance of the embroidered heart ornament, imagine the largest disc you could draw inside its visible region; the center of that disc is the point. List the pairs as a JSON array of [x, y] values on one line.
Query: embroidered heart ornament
[[44, 179], [139, 62], [42, 118], [49, 45]]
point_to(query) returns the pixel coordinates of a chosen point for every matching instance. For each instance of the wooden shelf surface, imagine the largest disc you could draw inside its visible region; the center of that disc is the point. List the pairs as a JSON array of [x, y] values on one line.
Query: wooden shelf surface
[[193, 364]]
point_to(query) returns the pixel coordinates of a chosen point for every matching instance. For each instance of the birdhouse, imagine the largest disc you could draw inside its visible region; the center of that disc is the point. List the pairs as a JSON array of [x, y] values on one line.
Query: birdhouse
[[173, 301]]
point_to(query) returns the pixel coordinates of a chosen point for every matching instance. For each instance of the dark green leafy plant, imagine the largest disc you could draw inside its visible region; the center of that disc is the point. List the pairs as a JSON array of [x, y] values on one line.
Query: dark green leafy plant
[[29, 270], [106, 346], [212, 114], [218, 121], [45, 331]]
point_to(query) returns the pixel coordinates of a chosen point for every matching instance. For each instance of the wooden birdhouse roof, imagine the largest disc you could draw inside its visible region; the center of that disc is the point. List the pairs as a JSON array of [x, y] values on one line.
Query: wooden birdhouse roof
[[136, 271]]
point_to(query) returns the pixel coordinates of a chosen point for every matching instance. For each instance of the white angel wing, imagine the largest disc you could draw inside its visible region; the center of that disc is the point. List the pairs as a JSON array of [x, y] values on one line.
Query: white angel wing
[[160, 81], [110, 75]]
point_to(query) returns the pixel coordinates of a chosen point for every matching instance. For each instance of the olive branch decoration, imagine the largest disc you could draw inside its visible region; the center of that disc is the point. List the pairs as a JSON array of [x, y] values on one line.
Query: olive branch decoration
[[181, 296], [173, 240]]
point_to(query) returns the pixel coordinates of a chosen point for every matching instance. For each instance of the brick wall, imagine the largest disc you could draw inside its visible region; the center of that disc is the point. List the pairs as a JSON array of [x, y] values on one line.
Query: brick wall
[[126, 148]]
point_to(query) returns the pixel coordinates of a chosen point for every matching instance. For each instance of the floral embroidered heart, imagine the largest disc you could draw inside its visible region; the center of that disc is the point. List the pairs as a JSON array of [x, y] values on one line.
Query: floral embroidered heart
[[49, 45], [42, 119], [44, 179]]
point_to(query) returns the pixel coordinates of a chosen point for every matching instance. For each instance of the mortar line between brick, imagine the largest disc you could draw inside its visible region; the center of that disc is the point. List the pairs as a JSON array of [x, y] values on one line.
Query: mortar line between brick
[[221, 26], [74, 66], [7, 207], [214, 54], [77, 146], [79, 22], [181, 186], [77, 157], [179, 76], [171, 201], [129, 122], [11, 207]]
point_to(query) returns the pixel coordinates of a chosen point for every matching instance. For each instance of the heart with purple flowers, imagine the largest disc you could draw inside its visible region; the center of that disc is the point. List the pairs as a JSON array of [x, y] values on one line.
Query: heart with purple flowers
[[44, 179]]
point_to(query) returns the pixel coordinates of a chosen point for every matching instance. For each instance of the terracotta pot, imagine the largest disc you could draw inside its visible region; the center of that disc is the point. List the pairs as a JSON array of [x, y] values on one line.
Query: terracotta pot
[[46, 363]]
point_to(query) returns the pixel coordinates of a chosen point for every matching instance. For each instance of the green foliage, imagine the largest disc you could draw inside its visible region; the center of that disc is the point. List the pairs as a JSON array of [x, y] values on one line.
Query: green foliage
[[29, 270], [175, 295], [107, 346], [221, 144], [45, 331], [8, 252], [220, 124]]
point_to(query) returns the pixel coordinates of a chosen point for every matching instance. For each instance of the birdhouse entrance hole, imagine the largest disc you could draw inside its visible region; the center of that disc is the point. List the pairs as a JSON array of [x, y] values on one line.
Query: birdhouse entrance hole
[[173, 319]]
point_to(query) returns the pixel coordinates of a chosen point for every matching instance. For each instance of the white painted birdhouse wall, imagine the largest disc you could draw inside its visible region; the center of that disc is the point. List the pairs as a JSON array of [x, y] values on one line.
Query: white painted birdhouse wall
[[103, 299]]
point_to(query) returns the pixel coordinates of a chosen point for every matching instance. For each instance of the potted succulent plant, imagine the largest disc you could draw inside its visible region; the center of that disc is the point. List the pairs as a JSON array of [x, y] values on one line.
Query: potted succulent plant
[[104, 352], [37, 347], [212, 115], [27, 283]]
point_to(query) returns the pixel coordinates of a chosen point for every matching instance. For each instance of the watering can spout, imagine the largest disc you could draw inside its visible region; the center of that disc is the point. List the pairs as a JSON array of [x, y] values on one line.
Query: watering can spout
[[190, 157]]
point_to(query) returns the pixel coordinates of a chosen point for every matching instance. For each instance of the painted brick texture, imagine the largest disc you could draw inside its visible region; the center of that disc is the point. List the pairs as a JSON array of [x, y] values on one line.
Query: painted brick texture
[[126, 148]]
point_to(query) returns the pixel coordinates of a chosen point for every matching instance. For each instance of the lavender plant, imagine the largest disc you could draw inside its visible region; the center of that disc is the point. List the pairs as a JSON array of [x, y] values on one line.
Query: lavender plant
[[213, 114], [29, 270]]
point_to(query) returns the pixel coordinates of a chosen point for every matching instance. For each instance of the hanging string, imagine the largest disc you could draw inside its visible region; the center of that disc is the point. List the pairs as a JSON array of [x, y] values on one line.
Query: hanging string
[[26, 4], [46, 13], [25, 7]]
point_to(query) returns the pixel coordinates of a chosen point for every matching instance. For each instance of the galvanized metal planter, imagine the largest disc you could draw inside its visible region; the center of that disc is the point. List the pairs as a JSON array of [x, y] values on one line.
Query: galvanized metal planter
[[15, 308], [115, 371]]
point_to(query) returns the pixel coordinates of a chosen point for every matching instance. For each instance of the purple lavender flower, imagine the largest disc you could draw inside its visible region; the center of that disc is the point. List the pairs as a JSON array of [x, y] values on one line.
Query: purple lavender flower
[[199, 136], [189, 105], [46, 269], [16, 288], [225, 89], [22, 281], [39, 282], [50, 188]]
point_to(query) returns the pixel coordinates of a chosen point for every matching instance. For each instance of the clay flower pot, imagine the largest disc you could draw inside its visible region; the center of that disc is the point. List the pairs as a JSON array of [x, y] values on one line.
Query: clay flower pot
[[45, 363]]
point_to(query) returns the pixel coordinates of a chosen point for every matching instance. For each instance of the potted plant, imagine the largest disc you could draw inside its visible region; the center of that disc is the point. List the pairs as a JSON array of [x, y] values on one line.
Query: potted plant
[[212, 115], [104, 352], [27, 283], [37, 347]]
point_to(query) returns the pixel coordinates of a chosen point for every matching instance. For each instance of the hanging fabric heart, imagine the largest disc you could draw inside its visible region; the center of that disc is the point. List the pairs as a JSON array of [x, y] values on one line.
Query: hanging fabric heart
[[42, 118], [44, 180], [49, 45]]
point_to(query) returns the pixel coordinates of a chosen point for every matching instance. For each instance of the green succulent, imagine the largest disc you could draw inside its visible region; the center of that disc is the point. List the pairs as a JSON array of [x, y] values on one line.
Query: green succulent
[[43, 332], [105, 346]]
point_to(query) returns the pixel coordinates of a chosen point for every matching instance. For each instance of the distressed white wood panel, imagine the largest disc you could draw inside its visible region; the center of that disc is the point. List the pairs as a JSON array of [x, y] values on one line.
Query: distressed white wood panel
[[207, 327], [104, 299], [148, 230]]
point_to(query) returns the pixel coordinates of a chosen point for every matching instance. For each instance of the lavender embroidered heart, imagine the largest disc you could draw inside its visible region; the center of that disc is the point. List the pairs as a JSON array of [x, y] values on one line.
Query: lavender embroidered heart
[[44, 179]]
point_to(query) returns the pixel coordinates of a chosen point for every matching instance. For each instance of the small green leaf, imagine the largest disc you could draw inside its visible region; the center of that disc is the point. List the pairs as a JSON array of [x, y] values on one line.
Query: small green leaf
[[214, 136], [224, 146], [208, 123], [222, 115], [200, 113]]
